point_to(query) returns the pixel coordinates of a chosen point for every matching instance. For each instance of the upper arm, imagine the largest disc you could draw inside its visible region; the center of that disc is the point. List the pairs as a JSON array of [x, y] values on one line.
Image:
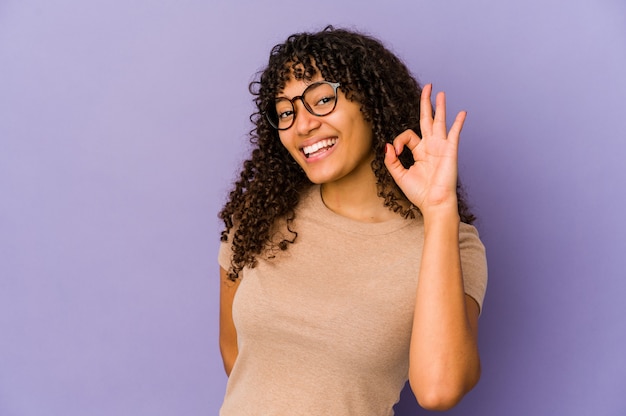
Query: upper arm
[[473, 311], [228, 333]]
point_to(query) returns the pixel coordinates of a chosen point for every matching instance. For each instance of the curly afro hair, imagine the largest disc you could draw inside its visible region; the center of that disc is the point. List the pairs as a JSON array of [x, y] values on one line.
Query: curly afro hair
[[271, 182]]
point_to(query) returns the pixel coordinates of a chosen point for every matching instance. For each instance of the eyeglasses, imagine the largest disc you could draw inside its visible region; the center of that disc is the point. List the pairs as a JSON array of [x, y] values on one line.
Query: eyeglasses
[[319, 99]]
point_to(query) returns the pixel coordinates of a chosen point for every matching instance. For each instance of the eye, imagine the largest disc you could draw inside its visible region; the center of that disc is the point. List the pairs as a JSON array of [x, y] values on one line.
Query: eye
[[285, 115], [284, 109], [321, 97], [326, 100]]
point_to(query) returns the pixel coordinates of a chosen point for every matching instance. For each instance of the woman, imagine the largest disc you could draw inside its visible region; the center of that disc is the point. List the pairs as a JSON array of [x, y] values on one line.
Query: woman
[[347, 241]]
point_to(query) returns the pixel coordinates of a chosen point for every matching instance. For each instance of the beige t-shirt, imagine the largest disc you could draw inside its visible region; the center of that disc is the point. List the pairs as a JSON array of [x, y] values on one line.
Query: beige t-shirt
[[324, 327]]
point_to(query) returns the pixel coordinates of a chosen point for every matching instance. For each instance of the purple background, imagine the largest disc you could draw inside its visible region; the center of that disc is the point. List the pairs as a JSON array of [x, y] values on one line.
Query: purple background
[[123, 122]]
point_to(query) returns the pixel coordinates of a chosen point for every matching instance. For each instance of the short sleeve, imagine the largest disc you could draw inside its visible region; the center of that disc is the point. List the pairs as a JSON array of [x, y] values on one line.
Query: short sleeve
[[473, 263], [225, 253]]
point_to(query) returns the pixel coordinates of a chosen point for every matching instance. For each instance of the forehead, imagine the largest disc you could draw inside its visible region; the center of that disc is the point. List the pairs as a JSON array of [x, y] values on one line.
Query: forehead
[[297, 73]]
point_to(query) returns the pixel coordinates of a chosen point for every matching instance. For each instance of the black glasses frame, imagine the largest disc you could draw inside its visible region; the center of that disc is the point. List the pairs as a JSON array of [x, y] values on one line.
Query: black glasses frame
[[274, 124]]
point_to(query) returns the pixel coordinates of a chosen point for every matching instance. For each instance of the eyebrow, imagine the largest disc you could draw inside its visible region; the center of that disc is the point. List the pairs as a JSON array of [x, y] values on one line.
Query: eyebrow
[[305, 88]]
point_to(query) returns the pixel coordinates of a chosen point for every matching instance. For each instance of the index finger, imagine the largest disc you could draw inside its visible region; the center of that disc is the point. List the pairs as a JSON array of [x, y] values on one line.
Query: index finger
[[407, 138], [426, 110]]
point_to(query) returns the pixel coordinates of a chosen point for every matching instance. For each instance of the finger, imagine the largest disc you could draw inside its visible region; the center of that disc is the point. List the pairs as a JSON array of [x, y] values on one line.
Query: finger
[[394, 166], [407, 138], [439, 124], [426, 110], [455, 131]]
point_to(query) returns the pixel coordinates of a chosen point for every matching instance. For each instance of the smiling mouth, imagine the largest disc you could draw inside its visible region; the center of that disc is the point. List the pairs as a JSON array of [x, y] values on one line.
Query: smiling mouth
[[318, 147]]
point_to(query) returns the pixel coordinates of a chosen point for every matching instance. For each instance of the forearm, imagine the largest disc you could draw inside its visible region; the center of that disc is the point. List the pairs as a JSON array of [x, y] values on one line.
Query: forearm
[[444, 362]]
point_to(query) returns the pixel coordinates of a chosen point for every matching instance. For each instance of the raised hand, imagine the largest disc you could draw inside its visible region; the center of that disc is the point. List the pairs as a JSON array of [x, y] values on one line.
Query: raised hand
[[430, 184]]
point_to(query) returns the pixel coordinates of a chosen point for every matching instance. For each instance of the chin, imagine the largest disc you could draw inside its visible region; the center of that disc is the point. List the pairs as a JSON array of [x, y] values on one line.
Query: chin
[[317, 180], [320, 178]]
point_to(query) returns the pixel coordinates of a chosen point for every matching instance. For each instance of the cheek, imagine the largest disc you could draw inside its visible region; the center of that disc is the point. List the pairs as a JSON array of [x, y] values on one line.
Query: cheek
[[285, 137], [283, 140], [287, 144], [364, 131]]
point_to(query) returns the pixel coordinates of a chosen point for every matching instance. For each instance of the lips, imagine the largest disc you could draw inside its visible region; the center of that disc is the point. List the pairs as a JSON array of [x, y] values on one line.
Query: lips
[[318, 147]]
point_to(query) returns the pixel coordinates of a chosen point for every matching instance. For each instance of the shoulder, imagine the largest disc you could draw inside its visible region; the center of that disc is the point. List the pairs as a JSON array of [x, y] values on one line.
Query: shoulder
[[473, 262], [225, 252], [469, 238]]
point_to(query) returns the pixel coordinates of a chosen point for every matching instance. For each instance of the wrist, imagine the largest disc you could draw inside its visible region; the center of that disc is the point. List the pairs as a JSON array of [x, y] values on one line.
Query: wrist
[[443, 213]]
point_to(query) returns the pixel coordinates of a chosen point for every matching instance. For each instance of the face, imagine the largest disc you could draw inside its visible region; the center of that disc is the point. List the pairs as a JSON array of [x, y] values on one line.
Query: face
[[336, 148]]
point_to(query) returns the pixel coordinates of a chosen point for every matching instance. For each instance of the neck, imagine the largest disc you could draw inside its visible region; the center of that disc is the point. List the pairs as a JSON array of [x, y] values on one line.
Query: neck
[[357, 200]]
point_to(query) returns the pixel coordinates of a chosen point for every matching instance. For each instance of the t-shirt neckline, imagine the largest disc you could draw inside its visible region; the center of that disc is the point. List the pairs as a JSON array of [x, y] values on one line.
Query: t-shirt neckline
[[330, 218]]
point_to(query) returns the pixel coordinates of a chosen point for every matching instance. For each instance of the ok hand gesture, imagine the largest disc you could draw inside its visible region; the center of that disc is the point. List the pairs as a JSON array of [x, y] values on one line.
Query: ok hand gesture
[[430, 183]]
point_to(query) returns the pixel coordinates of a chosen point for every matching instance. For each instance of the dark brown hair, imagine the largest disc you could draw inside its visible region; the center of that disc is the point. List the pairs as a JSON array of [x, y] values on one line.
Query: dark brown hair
[[271, 182]]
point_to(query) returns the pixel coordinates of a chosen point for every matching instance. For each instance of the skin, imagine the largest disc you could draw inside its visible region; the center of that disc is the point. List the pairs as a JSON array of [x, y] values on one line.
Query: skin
[[344, 171], [444, 363]]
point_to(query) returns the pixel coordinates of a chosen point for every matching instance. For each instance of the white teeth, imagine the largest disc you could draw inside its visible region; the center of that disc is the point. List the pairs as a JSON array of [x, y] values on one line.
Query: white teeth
[[318, 145]]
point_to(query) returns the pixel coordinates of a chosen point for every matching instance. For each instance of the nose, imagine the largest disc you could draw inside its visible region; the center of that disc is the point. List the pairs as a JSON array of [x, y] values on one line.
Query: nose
[[305, 122]]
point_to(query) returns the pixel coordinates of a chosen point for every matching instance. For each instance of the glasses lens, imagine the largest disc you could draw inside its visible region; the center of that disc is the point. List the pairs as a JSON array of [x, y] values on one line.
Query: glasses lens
[[282, 114], [320, 98]]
